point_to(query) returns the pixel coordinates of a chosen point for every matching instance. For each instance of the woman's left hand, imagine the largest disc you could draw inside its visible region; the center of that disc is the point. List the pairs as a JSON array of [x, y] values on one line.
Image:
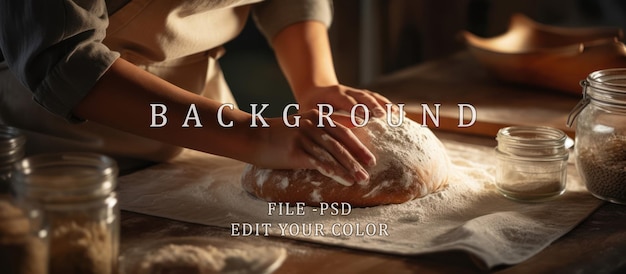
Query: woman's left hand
[[304, 54], [343, 98]]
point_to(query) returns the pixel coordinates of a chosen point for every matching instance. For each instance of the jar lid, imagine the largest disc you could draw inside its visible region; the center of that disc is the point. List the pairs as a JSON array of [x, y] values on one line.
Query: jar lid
[[607, 86], [65, 177], [604, 87], [532, 141]]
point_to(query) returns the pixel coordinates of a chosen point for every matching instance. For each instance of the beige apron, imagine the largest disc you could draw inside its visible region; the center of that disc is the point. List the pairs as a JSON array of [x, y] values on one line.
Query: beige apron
[[182, 50]]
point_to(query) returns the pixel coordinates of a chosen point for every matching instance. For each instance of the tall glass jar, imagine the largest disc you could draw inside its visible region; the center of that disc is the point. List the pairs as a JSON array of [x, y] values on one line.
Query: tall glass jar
[[601, 134], [11, 150], [70, 198], [531, 162], [22, 250]]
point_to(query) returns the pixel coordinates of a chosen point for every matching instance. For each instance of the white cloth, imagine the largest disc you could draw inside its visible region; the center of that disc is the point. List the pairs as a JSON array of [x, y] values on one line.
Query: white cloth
[[468, 215]]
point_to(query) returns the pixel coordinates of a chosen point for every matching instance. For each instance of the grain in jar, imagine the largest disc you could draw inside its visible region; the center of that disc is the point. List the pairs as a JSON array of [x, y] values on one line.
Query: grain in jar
[[601, 134], [73, 193]]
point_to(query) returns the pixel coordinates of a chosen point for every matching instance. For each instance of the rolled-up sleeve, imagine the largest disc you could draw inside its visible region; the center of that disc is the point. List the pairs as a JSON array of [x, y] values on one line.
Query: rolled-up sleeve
[[273, 15], [55, 48]]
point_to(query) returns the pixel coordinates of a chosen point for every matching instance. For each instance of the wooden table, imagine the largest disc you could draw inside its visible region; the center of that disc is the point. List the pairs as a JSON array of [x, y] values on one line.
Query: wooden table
[[597, 245], [460, 80]]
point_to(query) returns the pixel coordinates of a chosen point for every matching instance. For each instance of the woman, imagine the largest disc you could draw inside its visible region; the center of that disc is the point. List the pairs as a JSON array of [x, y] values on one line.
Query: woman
[[94, 68]]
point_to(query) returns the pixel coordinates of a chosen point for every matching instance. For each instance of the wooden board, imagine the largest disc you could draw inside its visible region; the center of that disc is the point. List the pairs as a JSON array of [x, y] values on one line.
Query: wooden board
[[459, 79]]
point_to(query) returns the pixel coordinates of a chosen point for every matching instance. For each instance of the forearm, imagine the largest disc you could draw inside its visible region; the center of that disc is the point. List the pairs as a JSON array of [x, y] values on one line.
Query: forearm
[[121, 99], [303, 52]]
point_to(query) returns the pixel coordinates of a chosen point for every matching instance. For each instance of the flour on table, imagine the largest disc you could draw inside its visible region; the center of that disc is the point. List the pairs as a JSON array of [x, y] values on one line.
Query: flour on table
[[205, 259]]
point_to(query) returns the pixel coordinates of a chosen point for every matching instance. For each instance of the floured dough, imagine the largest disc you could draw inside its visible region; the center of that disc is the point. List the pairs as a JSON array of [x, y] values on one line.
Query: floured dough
[[183, 259], [411, 163], [207, 259]]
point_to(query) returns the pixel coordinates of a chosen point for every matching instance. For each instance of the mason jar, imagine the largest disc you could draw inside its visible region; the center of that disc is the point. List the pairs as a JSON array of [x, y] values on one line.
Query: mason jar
[[70, 199], [22, 250], [11, 150], [601, 134], [531, 162]]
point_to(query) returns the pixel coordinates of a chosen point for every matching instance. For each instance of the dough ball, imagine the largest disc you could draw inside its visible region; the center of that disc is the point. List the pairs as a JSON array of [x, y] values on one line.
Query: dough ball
[[411, 163]]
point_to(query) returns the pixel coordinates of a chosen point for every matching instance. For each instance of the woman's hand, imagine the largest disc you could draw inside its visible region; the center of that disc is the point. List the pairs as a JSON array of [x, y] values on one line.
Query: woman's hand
[[333, 151], [304, 54], [343, 98]]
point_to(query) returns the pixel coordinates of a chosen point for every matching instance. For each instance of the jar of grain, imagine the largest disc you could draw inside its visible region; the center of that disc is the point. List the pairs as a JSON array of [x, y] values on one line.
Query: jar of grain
[[531, 162], [22, 249], [601, 134], [72, 197]]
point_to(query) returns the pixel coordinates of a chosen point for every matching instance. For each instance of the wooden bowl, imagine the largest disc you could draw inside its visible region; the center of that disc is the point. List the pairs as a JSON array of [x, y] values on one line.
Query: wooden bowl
[[547, 56]]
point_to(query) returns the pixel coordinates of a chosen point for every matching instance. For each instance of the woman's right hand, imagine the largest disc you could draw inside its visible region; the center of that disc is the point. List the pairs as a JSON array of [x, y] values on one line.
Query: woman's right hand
[[333, 151]]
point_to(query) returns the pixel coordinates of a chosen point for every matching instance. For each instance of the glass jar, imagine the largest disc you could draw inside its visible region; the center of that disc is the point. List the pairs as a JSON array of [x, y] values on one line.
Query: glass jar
[[11, 150], [22, 250], [531, 162], [601, 134], [70, 198]]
